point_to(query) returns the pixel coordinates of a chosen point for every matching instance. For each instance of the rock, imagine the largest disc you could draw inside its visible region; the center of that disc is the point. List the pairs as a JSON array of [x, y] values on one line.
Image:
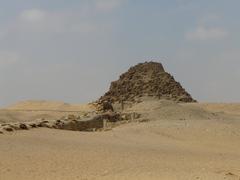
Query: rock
[[58, 121], [43, 124], [33, 125], [9, 129], [44, 121], [58, 124], [23, 126], [111, 116], [107, 106]]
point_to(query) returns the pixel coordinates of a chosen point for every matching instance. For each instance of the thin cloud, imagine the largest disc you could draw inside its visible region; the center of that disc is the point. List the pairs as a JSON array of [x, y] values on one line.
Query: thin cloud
[[41, 21], [33, 15], [205, 33]]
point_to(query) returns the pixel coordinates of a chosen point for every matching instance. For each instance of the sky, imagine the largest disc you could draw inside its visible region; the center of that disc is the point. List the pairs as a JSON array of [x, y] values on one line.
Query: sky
[[71, 50]]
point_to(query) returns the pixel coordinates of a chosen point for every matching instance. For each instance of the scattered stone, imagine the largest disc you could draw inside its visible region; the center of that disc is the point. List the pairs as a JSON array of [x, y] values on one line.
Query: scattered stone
[[9, 129], [23, 126], [33, 125], [58, 121], [44, 121], [110, 116], [107, 106], [58, 124], [43, 124], [91, 122]]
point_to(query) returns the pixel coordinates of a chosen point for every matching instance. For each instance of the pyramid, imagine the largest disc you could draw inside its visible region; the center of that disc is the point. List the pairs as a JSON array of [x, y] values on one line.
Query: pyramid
[[146, 79]]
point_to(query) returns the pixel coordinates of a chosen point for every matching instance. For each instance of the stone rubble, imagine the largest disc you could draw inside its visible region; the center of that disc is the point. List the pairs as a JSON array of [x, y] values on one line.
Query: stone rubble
[[89, 122]]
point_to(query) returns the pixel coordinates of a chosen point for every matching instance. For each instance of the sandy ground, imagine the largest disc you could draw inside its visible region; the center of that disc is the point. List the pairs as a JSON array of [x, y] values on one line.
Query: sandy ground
[[177, 142], [32, 110], [48, 106]]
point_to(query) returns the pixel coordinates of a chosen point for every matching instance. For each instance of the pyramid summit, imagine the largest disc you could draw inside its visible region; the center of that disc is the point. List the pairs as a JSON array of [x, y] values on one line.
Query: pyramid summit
[[146, 79]]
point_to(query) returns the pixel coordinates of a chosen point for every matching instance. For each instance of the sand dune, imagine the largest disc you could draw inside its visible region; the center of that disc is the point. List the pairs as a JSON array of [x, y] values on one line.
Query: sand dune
[[48, 106], [228, 108], [32, 110], [172, 111]]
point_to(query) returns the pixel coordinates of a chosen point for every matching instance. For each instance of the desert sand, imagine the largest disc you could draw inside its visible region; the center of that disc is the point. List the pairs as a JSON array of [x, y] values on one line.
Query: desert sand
[[173, 141], [30, 110]]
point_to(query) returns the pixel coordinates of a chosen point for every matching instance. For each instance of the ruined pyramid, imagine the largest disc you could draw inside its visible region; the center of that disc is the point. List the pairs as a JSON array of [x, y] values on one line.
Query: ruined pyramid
[[146, 79]]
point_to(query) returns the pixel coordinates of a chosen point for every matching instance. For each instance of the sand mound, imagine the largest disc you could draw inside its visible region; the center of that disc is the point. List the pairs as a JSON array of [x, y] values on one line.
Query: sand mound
[[31, 110], [38, 105], [146, 79], [170, 110], [7, 116], [227, 108]]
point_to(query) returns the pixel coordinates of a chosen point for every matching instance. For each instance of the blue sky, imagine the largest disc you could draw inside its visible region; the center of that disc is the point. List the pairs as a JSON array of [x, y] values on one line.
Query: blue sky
[[72, 50]]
